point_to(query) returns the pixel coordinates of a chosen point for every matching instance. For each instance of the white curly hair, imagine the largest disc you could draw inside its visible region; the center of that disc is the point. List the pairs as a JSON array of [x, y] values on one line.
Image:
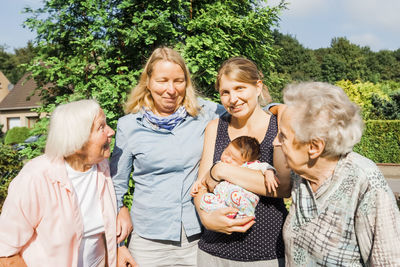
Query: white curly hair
[[323, 111]]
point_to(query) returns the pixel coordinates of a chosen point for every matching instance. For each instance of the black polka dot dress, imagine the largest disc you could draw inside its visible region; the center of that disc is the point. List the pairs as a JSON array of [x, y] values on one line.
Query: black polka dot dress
[[263, 241]]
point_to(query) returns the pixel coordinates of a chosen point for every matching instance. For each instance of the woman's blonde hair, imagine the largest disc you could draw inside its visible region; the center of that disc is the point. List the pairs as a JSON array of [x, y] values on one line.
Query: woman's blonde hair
[[244, 70], [141, 96]]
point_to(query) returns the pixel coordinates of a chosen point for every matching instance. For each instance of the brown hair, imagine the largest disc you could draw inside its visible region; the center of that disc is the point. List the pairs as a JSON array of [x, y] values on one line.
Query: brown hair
[[246, 71], [141, 96], [248, 146]]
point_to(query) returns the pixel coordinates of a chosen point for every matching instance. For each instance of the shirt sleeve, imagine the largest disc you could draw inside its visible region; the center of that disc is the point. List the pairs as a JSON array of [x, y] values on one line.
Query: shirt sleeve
[[377, 225], [20, 215], [261, 166], [270, 105], [212, 110], [121, 165]]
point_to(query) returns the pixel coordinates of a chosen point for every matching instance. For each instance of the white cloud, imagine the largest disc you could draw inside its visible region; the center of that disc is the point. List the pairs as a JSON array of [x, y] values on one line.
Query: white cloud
[[367, 39], [303, 8], [378, 14]]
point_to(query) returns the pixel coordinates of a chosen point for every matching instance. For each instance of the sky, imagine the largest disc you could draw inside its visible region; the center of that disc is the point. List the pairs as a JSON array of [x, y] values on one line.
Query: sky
[[373, 23]]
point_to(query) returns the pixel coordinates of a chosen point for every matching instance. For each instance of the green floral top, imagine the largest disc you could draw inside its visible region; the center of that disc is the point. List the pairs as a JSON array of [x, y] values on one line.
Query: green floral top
[[351, 220]]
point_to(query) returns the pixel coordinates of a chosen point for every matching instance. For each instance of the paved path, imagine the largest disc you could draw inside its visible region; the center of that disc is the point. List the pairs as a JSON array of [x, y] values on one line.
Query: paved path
[[392, 175]]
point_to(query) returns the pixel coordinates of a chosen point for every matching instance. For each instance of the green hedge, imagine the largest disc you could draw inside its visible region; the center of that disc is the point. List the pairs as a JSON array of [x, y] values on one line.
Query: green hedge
[[381, 141], [16, 135], [10, 165]]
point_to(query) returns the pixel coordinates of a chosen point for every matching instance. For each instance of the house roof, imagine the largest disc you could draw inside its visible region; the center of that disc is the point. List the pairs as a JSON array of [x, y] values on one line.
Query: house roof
[[17, 98]]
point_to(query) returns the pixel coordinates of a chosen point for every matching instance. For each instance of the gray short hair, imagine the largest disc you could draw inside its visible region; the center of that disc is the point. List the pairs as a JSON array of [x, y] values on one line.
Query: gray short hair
[[323, 111], [70, 127]]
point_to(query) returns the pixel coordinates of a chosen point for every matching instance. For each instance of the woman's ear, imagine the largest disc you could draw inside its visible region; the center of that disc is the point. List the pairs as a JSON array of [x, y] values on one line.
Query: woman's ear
[[259, 86], [316, 147]]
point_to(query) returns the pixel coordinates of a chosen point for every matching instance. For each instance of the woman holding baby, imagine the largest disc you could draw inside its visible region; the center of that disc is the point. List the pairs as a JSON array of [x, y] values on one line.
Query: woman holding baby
[[253, 242], [161, 139]]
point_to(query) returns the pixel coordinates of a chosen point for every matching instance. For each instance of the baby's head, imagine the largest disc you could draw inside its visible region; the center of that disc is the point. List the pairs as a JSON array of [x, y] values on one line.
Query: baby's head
[[242, 149]]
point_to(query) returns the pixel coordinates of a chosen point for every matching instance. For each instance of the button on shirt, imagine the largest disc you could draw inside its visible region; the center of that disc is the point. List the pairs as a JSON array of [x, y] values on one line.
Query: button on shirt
[[165, 165]]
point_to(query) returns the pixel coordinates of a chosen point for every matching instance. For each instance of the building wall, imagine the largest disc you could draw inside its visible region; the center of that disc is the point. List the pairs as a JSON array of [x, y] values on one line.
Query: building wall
[[4, 82], [26, 119]]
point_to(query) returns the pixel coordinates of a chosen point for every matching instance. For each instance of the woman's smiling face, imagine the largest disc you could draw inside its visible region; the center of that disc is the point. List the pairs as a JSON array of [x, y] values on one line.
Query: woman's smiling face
[[167, 85], [239, 98], [97, 148]]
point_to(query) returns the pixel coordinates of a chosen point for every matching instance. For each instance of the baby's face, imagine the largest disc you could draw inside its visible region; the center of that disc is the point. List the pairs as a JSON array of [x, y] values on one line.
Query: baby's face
[[232, 155]]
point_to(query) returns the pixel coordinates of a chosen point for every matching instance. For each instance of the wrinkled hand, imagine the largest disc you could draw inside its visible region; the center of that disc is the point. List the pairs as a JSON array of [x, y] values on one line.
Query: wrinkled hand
[[124, 258], [124, 224], [219, 222], [271, 182]]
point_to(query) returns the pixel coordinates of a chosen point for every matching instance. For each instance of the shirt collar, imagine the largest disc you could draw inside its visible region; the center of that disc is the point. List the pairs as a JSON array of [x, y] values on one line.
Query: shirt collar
[[58, 173]]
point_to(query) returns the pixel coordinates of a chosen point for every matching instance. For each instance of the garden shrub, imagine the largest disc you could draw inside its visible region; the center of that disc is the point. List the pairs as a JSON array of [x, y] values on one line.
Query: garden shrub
[[36, 148], [10, 165], [1, 132], [16, 135], [362, 93], [381, 141]]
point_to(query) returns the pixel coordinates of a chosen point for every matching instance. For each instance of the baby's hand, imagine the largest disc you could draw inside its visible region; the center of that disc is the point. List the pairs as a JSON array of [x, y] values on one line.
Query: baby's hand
[[271, 182], [196, 187]]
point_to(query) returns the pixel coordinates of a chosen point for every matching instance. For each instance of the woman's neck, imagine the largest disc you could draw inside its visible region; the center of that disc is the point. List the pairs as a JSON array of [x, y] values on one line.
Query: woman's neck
[[78, 163], [322, 169]]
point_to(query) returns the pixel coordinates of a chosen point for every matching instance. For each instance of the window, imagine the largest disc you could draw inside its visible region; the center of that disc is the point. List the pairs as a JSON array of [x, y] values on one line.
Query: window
[[13, 122], [30, 121]]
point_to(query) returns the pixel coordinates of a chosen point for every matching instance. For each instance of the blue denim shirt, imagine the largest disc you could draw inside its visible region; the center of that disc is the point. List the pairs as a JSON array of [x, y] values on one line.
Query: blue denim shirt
[[165, 165]]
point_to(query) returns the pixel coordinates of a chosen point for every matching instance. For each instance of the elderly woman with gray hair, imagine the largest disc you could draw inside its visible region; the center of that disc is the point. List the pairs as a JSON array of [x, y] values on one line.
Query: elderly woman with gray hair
[[343, 211], [61, 208]]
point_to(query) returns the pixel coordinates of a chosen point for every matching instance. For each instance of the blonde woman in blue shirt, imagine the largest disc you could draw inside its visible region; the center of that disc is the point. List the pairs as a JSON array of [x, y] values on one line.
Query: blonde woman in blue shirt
[[161, 140]]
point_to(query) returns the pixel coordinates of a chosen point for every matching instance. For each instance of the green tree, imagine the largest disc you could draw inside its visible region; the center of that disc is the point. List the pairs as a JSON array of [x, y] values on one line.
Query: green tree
[[218, 30], [352, 56], [300, 63], [13, 65], [385, 65], [97, 48], [7, 65], [342, 61], [333, 68]]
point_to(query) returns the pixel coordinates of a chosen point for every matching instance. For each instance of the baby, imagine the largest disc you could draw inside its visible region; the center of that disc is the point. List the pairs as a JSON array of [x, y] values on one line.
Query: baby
[[242, 151]]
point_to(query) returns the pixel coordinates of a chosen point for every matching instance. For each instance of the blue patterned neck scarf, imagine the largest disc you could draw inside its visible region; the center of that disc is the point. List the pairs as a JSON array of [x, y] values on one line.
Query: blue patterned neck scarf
[[168, 122]]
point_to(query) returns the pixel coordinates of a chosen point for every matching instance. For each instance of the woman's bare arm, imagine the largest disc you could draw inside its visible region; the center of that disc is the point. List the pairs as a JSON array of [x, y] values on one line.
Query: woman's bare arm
[[216, 220], [282, 172], [251, 180]]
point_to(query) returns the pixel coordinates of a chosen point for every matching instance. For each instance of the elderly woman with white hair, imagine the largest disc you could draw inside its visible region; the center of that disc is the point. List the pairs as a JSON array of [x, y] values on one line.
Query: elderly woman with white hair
[[61, 208], [343, 211]]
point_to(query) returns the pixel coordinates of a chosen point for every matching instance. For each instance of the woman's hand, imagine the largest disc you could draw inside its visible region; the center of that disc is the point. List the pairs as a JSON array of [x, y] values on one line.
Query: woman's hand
[[124, 258], [271, 182], [219, 221], [197, 185], [210, 184], [124, 224]]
